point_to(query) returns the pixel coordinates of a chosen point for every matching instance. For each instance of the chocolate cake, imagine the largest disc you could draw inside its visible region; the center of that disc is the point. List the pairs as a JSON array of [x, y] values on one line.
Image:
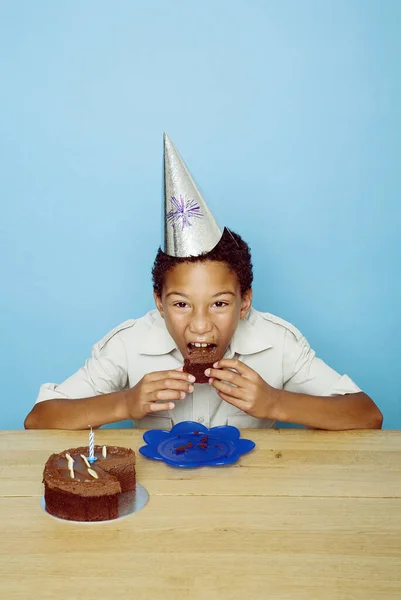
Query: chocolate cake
[[78, 492], [198, 361]]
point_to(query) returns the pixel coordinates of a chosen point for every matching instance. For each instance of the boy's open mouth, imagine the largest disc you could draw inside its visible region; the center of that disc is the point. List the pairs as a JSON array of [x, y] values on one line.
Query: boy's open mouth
[[201, 347]]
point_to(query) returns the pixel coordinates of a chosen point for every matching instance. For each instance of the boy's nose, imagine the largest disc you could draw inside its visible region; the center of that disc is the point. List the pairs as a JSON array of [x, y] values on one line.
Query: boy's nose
[[200, 325]]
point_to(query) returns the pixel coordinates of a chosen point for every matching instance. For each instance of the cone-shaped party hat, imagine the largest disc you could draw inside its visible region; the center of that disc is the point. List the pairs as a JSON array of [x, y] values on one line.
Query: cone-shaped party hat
[[189, 226]]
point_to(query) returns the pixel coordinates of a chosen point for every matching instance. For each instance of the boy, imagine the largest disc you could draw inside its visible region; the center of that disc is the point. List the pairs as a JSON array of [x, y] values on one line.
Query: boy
[[262, 370]]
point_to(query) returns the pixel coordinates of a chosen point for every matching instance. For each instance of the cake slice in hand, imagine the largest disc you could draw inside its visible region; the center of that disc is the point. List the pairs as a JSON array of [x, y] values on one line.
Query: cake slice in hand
[[198, 361]]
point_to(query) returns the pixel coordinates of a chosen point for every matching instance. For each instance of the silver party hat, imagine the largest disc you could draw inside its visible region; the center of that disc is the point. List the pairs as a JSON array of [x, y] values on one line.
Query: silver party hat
[[189, 226]]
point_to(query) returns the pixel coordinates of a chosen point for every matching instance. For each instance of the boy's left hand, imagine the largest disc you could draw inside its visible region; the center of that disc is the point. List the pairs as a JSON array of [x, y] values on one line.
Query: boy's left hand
[[249, 392]]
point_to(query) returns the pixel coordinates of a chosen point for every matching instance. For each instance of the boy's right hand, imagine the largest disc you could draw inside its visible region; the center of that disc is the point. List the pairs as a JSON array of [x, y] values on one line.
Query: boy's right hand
[[148, 394]]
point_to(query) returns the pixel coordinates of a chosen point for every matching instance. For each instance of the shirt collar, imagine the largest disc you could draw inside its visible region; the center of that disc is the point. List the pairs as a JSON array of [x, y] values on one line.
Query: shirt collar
[[250, 337], [158, 340]]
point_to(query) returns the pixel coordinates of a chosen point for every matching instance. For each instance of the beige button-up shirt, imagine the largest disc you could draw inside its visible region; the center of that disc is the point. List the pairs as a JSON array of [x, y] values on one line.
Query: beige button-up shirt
[[269, 345]]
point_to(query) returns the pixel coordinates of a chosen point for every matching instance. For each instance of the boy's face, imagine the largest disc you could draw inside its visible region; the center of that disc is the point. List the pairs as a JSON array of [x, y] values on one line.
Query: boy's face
[[201, 303]]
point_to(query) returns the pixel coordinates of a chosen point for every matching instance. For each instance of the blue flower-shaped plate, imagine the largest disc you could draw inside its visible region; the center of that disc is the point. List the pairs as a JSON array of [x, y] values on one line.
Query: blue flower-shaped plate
[[191, 445]]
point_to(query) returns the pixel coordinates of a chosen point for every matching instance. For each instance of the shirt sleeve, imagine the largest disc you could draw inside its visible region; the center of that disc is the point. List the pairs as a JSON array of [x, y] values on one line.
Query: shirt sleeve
[[304, 373], [105, 372]]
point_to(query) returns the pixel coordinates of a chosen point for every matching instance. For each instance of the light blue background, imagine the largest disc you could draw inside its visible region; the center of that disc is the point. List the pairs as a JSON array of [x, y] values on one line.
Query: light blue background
[[288, 115]]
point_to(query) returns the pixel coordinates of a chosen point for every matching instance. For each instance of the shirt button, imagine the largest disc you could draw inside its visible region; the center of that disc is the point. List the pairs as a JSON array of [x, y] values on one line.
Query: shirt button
[[201, 420]]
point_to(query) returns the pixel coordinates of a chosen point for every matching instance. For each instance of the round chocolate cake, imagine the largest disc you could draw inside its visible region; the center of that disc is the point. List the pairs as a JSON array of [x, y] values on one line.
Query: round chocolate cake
[[78, 490]]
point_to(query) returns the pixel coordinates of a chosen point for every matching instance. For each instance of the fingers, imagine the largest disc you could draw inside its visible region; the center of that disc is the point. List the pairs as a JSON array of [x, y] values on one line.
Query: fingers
[[234, 401], [229, 390], [155, 399], [157, 407], [168, 384], [157, 395], [176, 374], [226, 375], [159, 390], [229, 363]]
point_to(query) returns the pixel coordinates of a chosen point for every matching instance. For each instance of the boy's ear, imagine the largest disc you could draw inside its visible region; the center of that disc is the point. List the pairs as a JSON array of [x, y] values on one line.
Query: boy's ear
[[246, 303], [159, 305]]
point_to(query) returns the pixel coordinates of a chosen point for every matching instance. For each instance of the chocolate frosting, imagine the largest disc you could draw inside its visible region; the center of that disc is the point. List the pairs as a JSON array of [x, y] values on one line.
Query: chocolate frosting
[[56, 473]]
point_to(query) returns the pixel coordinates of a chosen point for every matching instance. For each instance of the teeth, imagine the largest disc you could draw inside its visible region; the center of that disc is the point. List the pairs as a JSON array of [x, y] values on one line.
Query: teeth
[[200, 345]]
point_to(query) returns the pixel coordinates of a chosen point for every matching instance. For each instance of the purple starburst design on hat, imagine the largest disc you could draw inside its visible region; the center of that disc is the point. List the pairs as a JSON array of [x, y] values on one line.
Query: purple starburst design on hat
[[183, 211]]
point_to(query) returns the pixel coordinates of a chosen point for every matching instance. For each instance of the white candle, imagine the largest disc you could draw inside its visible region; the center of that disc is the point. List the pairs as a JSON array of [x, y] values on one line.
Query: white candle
[[104, 451]]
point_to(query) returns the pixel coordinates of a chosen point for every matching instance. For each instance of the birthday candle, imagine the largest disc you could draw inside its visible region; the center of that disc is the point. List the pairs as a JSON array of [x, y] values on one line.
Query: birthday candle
[[91, 445]]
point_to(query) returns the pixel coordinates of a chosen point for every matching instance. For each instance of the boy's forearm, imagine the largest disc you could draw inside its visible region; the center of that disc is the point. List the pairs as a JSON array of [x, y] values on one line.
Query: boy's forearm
[[350, 411], [63, 413]]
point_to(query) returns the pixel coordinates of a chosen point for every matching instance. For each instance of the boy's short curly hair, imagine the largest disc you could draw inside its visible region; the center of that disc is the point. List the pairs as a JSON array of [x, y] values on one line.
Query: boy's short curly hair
[[231, 250]]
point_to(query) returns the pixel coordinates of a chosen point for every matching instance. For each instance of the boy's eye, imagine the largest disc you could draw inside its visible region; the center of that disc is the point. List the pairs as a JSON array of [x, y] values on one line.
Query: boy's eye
[[180, 304], [220, 304]]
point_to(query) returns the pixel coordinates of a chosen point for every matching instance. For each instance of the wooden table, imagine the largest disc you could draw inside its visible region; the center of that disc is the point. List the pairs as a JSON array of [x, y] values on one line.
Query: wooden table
[[306, 515]]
